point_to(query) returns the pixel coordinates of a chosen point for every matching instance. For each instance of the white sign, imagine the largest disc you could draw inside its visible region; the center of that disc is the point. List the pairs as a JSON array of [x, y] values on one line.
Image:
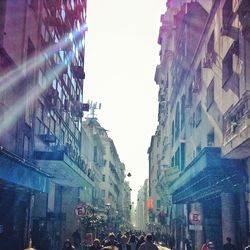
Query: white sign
[[195, 218], [80, 210], [195, 227]]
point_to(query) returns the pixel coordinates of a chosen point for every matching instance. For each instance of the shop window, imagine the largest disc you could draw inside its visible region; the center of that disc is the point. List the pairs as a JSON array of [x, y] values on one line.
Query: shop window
[[210, 94]]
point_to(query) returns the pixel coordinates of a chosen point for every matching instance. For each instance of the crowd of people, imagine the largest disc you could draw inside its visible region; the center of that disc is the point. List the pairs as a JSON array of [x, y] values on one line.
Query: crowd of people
[[120, 241]]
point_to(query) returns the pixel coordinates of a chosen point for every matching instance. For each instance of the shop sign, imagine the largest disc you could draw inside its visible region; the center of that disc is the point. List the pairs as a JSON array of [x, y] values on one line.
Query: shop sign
[[195, 218], [80, 210]]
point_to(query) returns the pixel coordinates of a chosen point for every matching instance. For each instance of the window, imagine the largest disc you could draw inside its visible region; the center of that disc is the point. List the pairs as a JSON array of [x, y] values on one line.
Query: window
[[230, 63], [210, 45], [177, 158], [198, 149], [198, 115], [172, 133], [95, 154], [172, 161], [103, 193], [210, 138], [210, 94], [158, 204], [103, 177], [227, 13], [26, 144], [190, 96], [183, 154], [177, 121], [183, 101]]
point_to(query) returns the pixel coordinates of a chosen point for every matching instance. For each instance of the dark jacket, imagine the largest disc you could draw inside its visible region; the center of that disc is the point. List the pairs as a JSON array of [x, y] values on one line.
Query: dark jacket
[[109, 243], [120, 246]]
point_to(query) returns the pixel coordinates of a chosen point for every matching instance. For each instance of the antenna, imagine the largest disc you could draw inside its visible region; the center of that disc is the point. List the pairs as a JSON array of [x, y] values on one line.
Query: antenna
[[93, 106]]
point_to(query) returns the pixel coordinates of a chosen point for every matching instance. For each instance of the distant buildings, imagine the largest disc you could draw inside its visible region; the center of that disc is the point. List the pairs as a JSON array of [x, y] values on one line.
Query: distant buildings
[[142, 214], [201, 146], [112, 193]]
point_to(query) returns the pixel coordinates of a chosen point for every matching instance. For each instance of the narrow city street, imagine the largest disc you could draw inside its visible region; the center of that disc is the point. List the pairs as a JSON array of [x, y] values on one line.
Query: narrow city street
[[124, 123]]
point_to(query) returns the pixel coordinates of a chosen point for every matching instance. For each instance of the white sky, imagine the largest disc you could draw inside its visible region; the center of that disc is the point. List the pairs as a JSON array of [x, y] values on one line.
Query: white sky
[[120, 61]]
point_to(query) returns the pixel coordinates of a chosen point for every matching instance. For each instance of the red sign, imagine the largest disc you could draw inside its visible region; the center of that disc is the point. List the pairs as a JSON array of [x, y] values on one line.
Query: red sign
[[80, 210], [150, 203], [195, 218]]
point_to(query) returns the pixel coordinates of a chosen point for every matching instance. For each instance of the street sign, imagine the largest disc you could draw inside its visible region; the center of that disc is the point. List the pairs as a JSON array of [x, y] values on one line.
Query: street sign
[[195, 218], [195, 227], [80, 210]]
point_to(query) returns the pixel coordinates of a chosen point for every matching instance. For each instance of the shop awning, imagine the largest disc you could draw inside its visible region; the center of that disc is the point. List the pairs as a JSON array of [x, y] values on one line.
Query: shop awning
[[15, 170], [207, 176]]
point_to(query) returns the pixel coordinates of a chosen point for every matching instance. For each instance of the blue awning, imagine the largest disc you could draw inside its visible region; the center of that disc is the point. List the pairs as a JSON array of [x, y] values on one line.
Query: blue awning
[[207, 176], [16, 171]]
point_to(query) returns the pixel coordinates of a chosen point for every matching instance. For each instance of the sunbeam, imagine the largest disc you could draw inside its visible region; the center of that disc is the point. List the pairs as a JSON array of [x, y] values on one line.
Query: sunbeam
[[11, 78]]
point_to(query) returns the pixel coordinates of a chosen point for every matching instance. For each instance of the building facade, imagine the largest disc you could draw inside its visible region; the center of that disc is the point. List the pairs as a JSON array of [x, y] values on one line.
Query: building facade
[[203, 80], [43, 175], [112, 196]]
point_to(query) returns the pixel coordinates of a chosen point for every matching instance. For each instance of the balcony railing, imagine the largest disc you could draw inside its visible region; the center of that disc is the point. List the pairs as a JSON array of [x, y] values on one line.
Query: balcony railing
[[237, 128]]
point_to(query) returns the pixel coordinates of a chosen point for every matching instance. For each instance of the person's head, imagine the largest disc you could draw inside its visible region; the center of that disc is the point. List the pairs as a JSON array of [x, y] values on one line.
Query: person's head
[[112, 237], [210, 245], [132, 238], [124, 239], [96, 243], [141, 238], [67, 243], [149, 237], [228, 239]]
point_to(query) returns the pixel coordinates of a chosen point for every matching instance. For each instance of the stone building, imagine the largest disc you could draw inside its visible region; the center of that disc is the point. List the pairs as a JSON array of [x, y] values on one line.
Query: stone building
[[203, 129], [142, 218], [111, 192], [43, 175]]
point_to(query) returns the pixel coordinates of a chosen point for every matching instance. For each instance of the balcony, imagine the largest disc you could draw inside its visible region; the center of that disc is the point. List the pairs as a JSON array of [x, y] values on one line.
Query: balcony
[[60, 165], [236, 144]]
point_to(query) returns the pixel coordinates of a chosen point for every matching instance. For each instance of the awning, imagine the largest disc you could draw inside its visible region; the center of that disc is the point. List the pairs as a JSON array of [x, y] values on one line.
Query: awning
[[15, 170], [64, 171], [207, 176]]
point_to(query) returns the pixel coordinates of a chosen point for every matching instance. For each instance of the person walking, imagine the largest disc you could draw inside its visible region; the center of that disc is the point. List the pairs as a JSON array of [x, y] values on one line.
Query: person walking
[[67, 245], [111, 242], [228, 245], [96, 245], [140, 241], [124, 245], [132, 242], [148, 245]]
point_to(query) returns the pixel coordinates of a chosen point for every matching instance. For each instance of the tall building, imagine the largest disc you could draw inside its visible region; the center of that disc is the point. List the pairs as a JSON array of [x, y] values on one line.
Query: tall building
[[204, 85], [112, 196], [142, 218], [43, 175]]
